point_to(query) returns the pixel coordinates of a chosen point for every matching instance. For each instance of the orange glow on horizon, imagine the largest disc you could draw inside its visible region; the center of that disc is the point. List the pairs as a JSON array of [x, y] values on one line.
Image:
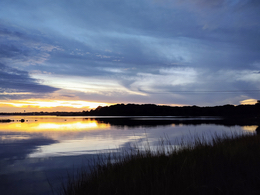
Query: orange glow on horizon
[[248, 102], [32, 105]]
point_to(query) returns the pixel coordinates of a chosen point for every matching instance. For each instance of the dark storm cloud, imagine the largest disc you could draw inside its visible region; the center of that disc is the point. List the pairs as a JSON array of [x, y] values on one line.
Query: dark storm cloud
[[14, 80]]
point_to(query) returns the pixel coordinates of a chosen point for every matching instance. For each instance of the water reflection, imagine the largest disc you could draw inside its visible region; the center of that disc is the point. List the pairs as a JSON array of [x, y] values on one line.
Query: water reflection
[[16, 150], [258, 130], [53, 124], [251, 128], [76, 135], [46, 145]]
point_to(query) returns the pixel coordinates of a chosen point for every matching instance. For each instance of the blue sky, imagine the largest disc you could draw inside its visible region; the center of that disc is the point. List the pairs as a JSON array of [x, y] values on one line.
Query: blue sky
[[170, 52]]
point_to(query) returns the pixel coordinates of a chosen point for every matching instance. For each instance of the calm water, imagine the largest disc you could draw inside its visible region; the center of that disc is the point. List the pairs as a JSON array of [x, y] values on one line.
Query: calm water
[[44, 148]]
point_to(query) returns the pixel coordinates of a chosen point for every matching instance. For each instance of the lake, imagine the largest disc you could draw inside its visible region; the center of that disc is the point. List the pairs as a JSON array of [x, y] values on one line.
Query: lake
[[41, 150]]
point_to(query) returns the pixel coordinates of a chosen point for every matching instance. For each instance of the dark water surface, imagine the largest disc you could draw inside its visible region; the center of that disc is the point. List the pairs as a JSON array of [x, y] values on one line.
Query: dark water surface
[[43, 149]]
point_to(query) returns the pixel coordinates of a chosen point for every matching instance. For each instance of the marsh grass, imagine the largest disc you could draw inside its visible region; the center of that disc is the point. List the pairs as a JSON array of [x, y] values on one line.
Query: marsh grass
[[224, 165]]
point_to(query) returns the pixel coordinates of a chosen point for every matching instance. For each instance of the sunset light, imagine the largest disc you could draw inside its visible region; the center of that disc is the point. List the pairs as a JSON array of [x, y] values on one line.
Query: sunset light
[[155, 52], [53, 125], [251, 128], [82, 79], [248, 102], [50, 105]]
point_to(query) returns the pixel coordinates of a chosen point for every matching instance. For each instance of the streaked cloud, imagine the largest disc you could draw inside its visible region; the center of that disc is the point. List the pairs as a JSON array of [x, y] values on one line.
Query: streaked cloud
[[130, 51], [16, 81]]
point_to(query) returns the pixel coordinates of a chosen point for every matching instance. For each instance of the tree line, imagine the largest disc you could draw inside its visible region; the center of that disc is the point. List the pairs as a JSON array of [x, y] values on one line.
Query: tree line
[[158, 110]]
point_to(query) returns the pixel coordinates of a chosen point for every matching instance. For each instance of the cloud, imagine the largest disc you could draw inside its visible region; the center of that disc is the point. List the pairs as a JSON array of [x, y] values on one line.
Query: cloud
[[212, 4], [164, 81], [19, 47], [206, 3], [14, 80], [250, 3], [130, 50]]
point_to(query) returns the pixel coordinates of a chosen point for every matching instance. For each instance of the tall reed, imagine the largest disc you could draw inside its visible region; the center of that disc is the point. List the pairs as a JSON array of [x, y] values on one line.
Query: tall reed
[[224, 165]]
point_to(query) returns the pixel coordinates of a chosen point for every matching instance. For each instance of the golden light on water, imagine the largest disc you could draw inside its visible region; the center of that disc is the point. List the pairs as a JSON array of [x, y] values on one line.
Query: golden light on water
[[54, 126], [69, 126], [250, 128]]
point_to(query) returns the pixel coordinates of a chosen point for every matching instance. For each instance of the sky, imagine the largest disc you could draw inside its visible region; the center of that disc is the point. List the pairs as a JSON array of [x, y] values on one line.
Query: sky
[[68, 55]]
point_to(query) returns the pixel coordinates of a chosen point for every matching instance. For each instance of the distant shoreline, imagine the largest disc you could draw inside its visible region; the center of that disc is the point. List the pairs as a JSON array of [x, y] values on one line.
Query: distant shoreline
[[151, 120], [226, 111]]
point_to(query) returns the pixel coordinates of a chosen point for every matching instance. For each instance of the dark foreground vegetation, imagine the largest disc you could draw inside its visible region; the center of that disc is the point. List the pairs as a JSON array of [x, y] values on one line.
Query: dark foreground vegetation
[[227, 165]]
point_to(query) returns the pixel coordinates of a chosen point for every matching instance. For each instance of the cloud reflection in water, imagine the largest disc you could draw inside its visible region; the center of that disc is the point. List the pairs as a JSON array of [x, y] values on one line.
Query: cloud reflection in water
[[50, 146]]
